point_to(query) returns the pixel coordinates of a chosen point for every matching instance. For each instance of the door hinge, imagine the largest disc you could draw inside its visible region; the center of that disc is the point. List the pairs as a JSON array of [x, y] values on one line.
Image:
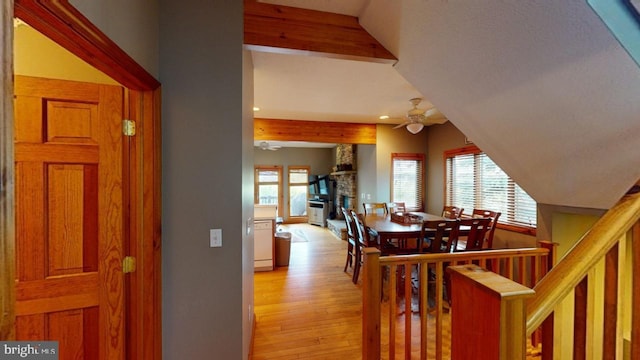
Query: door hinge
[[128, 264], [129, 127]]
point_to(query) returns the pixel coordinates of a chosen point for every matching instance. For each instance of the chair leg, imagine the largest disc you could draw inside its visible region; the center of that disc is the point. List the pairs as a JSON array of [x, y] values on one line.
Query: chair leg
[[349, 262], [356, 271]]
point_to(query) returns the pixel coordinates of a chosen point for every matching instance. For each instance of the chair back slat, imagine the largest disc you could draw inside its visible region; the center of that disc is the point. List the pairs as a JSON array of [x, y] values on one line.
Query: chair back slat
[[438, 236], [476, 230], [370, 208], [494, 215], [348, 219], [451, 212]]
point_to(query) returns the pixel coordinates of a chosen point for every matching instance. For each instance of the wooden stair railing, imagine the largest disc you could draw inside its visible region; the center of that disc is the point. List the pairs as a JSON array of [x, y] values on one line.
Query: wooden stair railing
[[603, 241], [606, 240], [406, 331], [613, 241], [593, 247], [501, 311]]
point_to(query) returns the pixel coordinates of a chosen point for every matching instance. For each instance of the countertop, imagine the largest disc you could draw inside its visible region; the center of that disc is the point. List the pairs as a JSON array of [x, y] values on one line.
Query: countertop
[[265, 212]]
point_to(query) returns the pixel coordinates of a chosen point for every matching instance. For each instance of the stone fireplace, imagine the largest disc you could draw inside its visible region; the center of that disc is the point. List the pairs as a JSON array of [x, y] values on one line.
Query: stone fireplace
[[345, 177]]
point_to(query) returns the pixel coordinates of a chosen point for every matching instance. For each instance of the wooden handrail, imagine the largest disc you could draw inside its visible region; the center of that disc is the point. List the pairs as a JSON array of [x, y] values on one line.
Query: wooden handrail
[[462, 256], [508, 262], [593, 246]]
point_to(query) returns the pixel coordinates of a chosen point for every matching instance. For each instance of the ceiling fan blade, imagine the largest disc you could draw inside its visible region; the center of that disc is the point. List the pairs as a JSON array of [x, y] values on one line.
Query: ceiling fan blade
[[401, 125], [432, 112]]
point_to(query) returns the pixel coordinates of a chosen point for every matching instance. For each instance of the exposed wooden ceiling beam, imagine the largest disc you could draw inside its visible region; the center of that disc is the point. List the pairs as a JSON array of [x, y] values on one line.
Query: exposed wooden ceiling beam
[[313, 131], [284, 29]]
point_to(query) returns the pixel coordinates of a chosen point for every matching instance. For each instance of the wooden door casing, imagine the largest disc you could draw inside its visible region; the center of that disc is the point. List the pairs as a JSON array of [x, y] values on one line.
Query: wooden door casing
[[69, 216]]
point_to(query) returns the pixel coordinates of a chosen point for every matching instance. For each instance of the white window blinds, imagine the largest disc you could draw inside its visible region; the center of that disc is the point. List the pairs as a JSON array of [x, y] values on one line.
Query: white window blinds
[[407, 180], [473, 180]]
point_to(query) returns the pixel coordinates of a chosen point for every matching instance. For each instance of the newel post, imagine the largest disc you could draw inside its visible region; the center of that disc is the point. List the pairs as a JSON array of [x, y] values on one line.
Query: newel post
[[371, 290], [487, 315]]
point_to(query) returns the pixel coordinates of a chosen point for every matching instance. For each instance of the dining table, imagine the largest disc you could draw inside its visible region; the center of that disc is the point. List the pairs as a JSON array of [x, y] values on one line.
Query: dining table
[[389, 230], [392, 232]]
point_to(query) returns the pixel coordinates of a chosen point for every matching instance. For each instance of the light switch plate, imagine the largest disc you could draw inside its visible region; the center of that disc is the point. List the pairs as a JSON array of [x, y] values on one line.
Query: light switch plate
[[215, 237]]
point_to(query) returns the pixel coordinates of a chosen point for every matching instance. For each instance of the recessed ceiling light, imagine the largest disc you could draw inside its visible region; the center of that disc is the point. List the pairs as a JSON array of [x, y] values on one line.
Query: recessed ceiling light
[[384, 117], [255, 108]]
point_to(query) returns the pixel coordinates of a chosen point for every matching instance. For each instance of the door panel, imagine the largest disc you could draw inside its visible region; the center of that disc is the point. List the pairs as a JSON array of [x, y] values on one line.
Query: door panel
[[69, 216]]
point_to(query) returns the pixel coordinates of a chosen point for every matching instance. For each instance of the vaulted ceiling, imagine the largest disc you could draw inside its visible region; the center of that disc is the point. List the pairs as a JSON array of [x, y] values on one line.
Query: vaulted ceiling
[[543, 87]]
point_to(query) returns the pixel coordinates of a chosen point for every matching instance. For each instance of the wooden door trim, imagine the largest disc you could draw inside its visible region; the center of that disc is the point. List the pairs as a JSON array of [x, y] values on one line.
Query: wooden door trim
[[64, 24], [7, 198], [61, 22], [144, 194]]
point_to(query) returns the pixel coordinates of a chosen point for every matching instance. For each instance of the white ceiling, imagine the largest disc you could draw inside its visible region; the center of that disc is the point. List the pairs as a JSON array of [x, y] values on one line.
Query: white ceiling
[[303, 87], [543, 87]]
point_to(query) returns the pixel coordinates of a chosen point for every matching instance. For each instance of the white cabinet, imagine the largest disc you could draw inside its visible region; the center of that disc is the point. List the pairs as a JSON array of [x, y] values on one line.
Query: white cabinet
[[318, 212], [263, 245]]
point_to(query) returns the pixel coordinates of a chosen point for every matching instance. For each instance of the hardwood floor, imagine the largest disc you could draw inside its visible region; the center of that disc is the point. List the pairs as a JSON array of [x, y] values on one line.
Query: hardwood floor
[[312, 309]]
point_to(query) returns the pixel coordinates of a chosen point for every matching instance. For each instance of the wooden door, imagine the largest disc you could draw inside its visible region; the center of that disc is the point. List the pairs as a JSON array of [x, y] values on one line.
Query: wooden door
[[69, 216]]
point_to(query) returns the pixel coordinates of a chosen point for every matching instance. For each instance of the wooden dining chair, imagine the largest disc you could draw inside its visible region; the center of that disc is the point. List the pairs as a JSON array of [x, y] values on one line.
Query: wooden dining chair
[[493, 215], [438, 236], [352, 241], [475, 231], [362, 241], [394, 207], [451, 212], [380, 208]]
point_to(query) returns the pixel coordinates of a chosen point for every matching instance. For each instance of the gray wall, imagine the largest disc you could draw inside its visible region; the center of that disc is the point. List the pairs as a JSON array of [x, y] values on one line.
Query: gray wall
[[321, 160], [390, 141], [367, 176], [205, 179], [439, 139], [132, 24]]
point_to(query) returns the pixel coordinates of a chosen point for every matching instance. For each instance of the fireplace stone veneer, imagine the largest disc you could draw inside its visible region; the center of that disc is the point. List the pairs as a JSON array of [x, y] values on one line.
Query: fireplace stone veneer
[[346, 180]]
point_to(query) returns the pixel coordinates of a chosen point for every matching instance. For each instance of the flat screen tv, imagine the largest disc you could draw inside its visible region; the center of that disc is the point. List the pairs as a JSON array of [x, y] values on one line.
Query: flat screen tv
[[319, 185], [323, 184], [313, 185]]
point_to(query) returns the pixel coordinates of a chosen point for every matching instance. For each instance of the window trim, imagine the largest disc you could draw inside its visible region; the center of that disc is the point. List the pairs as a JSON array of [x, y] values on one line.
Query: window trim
[[277, 168], [303, 218], [473, 149], [410, 156]]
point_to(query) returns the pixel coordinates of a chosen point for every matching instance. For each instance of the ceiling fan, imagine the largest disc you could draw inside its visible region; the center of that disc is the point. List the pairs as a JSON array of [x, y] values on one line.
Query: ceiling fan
[[264, 145], [416, 118]]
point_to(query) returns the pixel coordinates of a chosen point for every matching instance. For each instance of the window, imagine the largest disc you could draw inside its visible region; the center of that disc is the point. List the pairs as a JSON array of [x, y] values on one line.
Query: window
[[268, 186], [473, 180], [298, 190], [407, 185]]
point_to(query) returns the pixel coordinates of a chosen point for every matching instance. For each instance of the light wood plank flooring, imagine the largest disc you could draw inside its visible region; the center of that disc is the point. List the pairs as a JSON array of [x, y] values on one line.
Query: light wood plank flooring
[[310, 310]]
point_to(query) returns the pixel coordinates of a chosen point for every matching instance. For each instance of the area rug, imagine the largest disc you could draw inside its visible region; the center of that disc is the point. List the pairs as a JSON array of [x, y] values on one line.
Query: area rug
[[297, 235]]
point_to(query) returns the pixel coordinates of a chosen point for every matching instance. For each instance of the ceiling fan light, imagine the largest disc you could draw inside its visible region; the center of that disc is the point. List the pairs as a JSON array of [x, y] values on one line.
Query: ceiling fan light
[[414, 128]]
